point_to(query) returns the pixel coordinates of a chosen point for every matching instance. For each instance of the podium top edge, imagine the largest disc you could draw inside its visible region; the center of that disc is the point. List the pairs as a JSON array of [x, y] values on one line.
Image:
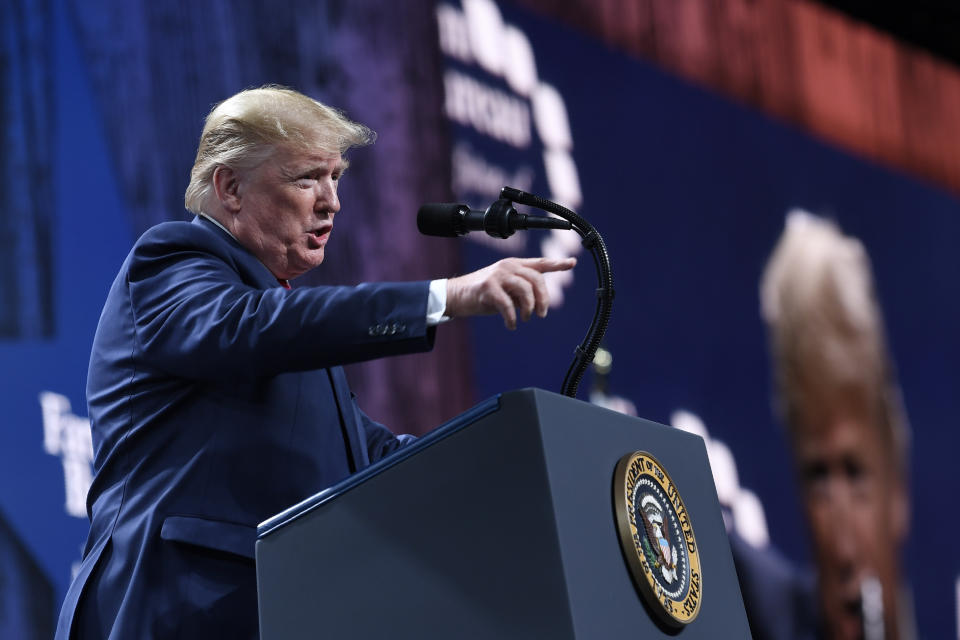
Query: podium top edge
[[453, 425]]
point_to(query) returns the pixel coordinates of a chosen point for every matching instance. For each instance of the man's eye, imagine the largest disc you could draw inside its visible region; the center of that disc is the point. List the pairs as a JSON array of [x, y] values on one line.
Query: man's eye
[[853, 469], [815, 474], [306, 182]]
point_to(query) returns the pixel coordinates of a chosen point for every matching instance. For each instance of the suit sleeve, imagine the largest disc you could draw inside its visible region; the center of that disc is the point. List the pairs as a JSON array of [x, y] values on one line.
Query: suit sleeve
[[381, 442], [194, 317]]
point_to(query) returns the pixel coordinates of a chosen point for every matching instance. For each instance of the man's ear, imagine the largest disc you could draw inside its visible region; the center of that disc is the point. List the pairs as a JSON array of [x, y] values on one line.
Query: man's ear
[[226, 184]]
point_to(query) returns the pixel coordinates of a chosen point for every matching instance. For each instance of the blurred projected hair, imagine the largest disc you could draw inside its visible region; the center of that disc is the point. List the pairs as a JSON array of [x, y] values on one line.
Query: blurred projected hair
[[244, 130], [825, 326]]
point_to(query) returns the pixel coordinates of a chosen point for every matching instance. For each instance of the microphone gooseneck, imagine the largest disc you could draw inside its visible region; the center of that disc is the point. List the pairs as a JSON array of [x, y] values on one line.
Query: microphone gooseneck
[[592, 241]]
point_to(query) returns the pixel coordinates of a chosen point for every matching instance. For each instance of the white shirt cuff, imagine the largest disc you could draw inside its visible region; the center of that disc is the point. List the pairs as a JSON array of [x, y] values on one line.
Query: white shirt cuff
[[437, 303]]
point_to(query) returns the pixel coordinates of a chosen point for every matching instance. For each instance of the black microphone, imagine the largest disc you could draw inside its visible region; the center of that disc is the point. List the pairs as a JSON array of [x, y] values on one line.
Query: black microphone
[[500, 220]]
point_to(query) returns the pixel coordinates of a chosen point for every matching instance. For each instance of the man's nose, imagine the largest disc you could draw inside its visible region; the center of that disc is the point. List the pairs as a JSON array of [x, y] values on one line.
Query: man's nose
[[842, 516], [327, 199]]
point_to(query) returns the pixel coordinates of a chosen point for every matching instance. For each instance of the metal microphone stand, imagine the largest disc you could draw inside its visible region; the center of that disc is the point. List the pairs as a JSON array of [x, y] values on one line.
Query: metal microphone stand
[[591, 240]]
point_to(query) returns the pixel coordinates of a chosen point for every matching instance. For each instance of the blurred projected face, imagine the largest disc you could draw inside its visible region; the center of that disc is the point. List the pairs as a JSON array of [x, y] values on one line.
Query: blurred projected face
[[856, 507]]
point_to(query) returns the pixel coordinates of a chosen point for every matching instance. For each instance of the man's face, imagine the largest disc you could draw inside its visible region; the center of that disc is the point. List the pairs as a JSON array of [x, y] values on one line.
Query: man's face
[[286, 210], [855, 504]]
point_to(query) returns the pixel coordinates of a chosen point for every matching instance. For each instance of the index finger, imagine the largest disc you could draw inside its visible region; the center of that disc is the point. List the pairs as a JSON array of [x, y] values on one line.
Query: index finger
[[544, 265]]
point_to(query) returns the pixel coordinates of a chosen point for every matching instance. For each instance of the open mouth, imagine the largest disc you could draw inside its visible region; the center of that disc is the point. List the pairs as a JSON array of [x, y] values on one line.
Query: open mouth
[[852, 606], [852, 609], [317, 238]]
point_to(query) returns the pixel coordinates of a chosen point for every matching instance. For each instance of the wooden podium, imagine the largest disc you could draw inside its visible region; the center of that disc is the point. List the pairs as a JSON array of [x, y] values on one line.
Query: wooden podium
[[500, 524]]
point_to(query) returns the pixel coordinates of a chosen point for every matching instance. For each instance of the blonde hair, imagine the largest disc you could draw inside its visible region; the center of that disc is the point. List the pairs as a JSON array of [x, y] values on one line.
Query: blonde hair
[[825, 325], [245, 129]]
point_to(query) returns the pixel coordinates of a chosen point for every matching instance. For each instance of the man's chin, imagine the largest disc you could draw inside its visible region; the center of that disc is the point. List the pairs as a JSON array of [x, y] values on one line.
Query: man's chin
[[311, 261]]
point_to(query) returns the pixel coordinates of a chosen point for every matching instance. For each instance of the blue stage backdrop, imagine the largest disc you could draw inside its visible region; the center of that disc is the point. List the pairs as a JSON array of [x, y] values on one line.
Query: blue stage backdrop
[[103, 104]]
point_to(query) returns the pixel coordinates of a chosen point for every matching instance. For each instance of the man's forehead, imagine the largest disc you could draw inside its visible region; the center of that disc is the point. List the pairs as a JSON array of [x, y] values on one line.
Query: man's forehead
[[314, 159], [311, 159], [835, 435]]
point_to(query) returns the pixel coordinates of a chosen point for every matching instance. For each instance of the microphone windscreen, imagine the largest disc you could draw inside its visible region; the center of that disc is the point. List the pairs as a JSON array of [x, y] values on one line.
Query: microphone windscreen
[[440, 219]]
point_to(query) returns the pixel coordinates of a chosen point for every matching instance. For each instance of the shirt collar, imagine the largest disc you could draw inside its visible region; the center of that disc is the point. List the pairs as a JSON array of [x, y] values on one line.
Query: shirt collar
[[216, 222]]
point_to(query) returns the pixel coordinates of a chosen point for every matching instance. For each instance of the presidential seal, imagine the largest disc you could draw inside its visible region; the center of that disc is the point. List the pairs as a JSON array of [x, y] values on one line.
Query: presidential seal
[[657, 538]]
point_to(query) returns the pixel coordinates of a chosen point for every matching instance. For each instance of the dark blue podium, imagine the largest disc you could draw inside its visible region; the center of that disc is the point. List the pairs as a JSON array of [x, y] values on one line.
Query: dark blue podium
[[498, 524]]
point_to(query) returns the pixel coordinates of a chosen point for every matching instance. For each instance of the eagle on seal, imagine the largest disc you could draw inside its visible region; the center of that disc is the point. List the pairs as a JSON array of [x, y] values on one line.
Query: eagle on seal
[[666, 554]]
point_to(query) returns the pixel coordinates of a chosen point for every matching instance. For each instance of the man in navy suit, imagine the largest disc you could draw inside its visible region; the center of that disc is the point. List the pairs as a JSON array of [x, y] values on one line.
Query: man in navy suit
[[215, 391]]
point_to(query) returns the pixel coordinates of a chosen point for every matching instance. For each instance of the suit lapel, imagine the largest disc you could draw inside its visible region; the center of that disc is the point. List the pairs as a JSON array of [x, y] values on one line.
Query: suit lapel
[[356, 443]]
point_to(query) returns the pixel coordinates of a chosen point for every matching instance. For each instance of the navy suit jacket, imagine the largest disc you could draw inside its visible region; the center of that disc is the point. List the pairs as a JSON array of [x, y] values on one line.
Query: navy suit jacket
[[216, 400], [779, 598]]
